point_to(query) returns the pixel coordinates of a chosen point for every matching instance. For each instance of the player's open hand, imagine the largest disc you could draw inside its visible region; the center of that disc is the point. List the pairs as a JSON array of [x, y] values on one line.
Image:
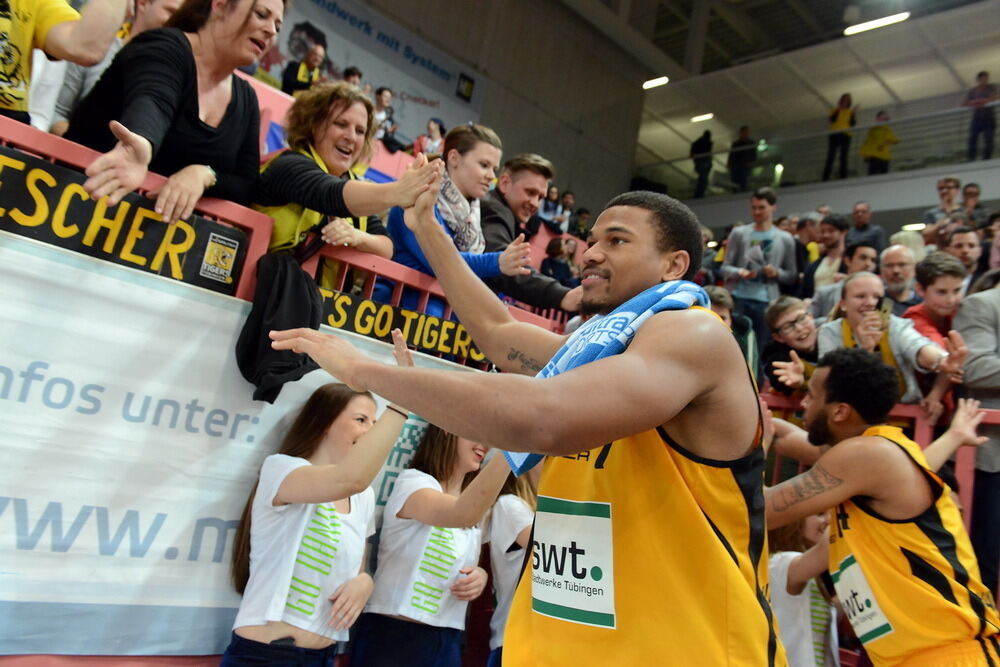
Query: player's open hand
[[334, 354]]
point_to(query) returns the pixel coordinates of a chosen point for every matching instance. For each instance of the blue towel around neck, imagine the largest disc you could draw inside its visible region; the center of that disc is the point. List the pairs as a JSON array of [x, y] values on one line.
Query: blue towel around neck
[[608, 335]]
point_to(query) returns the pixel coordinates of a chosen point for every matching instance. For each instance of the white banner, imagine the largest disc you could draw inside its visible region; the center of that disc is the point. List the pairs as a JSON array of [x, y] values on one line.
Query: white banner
[[426, 82], [129, 444]]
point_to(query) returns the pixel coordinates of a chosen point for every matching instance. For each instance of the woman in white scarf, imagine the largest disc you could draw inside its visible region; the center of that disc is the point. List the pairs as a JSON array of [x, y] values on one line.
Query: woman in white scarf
[[472, 157]]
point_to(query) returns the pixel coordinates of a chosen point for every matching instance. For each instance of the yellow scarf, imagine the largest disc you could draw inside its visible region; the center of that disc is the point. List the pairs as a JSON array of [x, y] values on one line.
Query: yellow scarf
[[292, 221], [306, 75], [883, 348]]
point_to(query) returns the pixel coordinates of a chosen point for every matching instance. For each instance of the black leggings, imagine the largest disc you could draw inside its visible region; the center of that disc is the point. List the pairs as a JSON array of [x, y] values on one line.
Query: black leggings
[[836, 142]]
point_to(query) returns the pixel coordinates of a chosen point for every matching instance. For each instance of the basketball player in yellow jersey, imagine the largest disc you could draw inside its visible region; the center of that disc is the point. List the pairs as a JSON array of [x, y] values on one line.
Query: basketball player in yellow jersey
[[900, 558], [649, 542]]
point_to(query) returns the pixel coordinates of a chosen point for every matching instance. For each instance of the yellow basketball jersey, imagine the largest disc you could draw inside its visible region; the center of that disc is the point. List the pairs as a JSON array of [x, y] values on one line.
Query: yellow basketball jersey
[[911, 587], [646, 554]]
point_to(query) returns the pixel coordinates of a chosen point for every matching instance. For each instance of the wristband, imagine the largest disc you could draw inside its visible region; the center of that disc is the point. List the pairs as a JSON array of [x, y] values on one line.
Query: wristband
[[937, 364], [397, 411]]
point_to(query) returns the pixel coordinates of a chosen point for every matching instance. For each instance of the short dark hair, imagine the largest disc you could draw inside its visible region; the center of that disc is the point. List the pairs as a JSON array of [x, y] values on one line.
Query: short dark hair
[[938, 264], [382, 89], [554, 248], [983, 73], [838, 221], [720, 296], [803, 222], [677, 227], [352, 71], [767, 194], [960, 230], [568, 192], [971, 185], [582, 211], [860, 379], [853, 248]]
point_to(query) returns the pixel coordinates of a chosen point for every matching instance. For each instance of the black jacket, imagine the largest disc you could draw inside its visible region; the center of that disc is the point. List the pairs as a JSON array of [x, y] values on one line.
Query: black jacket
[[500, 228]]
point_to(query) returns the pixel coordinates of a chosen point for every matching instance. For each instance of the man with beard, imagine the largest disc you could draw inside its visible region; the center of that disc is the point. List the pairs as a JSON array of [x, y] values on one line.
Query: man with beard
[[633, 483], [897, 268], [829, 268], [900, 558], [964, 245]]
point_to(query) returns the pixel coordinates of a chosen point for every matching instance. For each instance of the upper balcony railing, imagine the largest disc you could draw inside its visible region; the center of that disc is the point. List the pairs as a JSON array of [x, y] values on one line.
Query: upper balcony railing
[[930, 140]]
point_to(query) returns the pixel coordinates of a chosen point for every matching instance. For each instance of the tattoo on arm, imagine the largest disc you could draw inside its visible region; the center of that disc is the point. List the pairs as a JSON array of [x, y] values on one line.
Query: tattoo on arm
[[818, 480], [527, 363]]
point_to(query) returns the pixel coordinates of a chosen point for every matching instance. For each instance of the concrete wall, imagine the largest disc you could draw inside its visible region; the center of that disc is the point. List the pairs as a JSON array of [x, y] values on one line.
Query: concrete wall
[[896, 199], [556, 85]]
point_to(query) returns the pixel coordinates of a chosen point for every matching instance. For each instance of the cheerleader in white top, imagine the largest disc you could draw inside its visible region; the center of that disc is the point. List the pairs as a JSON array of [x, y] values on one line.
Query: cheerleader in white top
[[299, 551]]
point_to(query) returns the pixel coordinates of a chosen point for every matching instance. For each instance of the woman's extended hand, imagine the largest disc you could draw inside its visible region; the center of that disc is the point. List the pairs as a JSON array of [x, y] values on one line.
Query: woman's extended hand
[[516, 257], [122, 169], [341, 232], [422, 211], [414, 181], [176, 198]]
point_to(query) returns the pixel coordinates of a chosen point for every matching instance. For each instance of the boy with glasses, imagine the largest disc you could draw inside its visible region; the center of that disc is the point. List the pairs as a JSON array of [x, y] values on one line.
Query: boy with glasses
[[790, 358]]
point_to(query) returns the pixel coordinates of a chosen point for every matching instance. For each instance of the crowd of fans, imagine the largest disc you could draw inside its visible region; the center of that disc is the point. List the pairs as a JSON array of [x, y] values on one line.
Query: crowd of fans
[[161, 95], [875, 150]]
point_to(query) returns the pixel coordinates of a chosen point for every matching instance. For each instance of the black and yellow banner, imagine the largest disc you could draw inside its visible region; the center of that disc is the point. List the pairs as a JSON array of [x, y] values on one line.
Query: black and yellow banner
[[47, 202], [377, 320]]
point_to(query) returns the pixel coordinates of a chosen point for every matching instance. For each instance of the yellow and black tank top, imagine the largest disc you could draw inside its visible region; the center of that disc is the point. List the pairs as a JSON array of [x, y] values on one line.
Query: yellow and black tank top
[[911, 588], [645, 554]]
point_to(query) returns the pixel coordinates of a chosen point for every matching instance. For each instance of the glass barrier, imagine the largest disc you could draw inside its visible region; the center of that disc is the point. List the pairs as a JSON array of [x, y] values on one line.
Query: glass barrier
[[931, 140]]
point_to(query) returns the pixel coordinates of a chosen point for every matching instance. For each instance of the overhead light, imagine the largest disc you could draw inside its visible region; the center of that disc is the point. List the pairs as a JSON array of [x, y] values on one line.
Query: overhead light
[[915, 227], [702, 117], [654, 83], [712, 244], [877, 23]]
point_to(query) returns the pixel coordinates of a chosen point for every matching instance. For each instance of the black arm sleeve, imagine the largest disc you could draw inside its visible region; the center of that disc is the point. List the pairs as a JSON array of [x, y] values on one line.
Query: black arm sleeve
[[294, 177], [156, 71], [376, 227]]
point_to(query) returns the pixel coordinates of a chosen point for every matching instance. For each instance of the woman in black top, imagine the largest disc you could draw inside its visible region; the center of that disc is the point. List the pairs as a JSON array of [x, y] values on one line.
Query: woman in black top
[[170, 103]]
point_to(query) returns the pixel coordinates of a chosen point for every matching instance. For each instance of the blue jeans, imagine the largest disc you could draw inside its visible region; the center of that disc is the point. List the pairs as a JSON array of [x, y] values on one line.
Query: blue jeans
[[496, 657], [243, 652], [987, 128], [383, 641]]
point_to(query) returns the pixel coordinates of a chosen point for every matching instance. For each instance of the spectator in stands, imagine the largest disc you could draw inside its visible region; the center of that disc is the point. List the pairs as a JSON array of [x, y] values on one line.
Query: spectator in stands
[[758, 258], [785, 223], [823, 210], [912, 240], [842, 118], [510, 523], [304, 74], [57, 29], [939, 283], [519, 190], [565, 217], [984, 120], [894, 338], [171, 103], [857, 258], [963, 244], [78, 80], [706, 274], [433, 141], [978, 321], [896, 267], [742, 155], [555, 264], [550, 210], [829, 268], [352, 75], [721, 302], [314, 490], [807, 235], [701, 156], [416, 614], [948, 205], [877, 149], [385, 125], [973, 208], [579, 224], [471, 156], [993, 230], [790, 357], [310, 186], [864, 231]]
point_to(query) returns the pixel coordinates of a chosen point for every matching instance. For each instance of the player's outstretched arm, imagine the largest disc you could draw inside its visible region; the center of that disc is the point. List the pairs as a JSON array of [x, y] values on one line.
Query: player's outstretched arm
[[513, 346], [612, 398]]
